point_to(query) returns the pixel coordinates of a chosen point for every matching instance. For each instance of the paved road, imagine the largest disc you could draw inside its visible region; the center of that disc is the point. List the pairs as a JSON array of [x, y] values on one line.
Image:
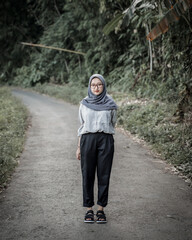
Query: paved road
[[44, 199]]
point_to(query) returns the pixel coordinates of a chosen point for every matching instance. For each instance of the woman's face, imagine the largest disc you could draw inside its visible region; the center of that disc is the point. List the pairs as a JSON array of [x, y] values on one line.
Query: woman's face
[[96, 86]]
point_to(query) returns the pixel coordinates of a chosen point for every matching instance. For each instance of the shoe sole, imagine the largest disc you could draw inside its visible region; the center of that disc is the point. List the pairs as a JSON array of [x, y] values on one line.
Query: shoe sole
[[89, 221], [101, 222]]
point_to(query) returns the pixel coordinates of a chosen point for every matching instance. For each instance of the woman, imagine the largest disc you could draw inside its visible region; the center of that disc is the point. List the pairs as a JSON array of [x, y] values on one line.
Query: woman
[[97, 115]]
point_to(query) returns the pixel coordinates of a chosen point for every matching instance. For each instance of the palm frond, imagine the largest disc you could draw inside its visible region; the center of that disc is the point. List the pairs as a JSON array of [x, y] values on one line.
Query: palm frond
[[172, 15], [128, 14]]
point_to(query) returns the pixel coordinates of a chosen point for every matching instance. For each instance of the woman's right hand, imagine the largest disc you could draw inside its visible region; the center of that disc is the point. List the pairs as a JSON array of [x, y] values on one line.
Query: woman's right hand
[[78, 154]]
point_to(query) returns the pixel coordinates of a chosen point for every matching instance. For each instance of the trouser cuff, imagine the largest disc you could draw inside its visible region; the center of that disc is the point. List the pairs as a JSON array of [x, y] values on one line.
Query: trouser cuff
[[101, 204], [88, 205]]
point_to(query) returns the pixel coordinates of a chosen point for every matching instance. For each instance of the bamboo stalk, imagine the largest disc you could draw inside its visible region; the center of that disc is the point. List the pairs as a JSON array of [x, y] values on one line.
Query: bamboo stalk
[[150, 49], [50, 47]]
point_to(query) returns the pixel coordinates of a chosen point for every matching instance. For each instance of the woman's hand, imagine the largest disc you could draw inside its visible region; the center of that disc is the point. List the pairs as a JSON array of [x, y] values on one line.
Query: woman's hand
[[78, 154]]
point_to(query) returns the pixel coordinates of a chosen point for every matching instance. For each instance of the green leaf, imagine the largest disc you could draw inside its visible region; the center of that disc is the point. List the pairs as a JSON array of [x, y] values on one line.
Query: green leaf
[[112, 24]]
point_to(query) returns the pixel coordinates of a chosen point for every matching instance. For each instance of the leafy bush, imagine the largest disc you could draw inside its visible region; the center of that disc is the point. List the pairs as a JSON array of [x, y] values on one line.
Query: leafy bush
[[13, 123]]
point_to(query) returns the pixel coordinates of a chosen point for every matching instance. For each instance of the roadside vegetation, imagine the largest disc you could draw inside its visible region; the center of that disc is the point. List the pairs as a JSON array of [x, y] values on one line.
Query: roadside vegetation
[[155, 123], [68, 92], [141, 47], [13, 124]]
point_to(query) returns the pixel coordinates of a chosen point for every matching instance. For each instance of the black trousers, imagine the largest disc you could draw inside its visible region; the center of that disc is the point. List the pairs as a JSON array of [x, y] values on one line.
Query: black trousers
[[96, 154]]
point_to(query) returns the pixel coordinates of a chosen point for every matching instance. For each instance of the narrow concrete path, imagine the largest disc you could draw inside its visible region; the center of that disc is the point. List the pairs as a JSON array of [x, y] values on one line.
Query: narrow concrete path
[[44, 199]]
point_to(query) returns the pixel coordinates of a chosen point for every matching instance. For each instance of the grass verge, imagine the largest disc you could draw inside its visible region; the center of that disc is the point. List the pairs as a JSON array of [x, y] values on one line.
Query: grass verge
[[70, 93], [13, 123], [154, 122]]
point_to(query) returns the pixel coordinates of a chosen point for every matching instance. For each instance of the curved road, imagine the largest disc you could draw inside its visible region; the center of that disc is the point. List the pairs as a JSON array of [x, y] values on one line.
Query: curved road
[[44, 199]]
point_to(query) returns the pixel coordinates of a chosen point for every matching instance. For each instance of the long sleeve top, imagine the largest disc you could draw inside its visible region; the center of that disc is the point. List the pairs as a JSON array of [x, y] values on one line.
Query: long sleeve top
[[96, 121]]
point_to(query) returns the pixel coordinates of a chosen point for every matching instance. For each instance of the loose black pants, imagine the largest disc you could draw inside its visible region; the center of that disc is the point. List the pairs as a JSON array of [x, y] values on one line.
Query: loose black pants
[[96, 153]]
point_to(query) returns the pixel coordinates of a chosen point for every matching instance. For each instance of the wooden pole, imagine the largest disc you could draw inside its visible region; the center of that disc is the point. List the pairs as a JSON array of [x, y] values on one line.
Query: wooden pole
[[50, 47]]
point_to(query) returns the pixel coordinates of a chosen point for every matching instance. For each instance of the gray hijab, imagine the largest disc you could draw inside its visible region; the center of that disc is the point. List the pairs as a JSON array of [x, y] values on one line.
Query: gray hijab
[[101, 102]]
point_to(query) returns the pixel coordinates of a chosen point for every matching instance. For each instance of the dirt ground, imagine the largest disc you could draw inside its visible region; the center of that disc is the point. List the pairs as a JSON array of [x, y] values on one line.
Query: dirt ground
[[44, 199]]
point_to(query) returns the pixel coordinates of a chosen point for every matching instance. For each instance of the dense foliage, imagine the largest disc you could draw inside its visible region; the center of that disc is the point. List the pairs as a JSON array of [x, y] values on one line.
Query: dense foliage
[[16, 23], [123, 56], [13, 123], [159, 70]]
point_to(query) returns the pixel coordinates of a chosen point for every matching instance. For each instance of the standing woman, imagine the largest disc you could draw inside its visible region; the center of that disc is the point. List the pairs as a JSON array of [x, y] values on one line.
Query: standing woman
[[97, 114]]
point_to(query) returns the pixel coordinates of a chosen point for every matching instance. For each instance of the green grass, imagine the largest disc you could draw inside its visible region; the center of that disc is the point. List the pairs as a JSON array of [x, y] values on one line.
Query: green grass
[[13, 123], [154, 123], [73, 93]]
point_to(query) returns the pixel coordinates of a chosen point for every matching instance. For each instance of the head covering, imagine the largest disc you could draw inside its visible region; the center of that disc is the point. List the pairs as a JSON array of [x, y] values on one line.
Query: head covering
[[101, 102]]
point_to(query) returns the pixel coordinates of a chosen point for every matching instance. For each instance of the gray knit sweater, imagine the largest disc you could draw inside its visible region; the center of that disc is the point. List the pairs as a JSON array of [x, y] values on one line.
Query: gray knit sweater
[[96, 121]]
